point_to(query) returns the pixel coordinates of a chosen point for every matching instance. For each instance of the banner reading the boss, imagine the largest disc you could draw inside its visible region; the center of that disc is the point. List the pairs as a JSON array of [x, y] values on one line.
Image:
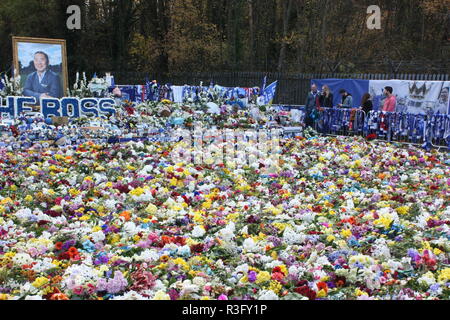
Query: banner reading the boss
[[65, 107]]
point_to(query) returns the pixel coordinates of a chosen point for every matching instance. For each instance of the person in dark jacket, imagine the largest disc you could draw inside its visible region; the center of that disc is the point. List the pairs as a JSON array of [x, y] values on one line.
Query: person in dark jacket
[[312, 101], [326, 97], [366, 103]]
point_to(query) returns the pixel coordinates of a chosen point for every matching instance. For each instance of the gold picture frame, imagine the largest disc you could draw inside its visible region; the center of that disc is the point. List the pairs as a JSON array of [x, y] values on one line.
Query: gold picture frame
[[45, 45]]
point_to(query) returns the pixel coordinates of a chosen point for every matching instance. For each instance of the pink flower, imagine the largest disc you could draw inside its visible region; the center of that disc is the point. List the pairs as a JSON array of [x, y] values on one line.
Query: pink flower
[[78, 290], [222, 297]]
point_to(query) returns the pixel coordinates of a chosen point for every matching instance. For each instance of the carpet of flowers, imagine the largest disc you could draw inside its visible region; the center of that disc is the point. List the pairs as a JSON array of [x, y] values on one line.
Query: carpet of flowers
[[336, 218]]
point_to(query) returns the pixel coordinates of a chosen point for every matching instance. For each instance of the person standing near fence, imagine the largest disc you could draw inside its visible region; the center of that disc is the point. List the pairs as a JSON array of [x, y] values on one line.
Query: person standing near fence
[[390, 103], [312, 101], [366, 103], [326, 97], [347, 99]]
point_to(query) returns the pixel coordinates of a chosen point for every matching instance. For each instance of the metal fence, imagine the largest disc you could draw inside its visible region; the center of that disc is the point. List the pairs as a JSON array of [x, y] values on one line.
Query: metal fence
[[292, 87], [428, 131]]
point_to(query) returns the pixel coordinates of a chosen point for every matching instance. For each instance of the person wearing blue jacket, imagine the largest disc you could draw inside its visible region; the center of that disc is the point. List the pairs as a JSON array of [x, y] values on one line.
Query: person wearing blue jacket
[[43, 83]]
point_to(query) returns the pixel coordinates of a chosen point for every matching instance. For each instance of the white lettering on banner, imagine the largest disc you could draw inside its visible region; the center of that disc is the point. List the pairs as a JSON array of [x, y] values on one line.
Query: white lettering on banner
[[65, 107]]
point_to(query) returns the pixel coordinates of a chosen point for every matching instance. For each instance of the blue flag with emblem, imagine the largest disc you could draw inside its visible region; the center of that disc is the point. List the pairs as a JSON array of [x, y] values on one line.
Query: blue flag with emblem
[[269, 92]]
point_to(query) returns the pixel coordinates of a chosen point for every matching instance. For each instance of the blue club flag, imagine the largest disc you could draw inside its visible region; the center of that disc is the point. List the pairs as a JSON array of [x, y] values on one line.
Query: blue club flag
[[264, 84], [269, 92]]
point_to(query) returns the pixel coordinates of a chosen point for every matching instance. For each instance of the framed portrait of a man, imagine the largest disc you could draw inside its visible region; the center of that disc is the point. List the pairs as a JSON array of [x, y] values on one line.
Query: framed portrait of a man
[[42, 66]]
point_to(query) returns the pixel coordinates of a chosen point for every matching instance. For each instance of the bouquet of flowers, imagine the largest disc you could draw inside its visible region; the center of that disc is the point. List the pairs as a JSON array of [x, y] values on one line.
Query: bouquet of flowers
[[11, 86], [80, 88]]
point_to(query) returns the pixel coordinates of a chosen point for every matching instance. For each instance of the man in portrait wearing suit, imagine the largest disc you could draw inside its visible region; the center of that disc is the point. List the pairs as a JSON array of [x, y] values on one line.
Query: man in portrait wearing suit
[[43, 83]]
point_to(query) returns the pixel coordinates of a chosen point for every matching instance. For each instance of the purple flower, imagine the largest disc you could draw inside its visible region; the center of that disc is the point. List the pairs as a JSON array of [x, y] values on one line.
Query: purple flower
[[173, 294], [252, 276], [68, 244]]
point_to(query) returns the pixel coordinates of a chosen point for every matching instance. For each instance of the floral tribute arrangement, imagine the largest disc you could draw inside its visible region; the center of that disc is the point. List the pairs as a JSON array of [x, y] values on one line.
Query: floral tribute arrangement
[[11, 86], [334, 219]]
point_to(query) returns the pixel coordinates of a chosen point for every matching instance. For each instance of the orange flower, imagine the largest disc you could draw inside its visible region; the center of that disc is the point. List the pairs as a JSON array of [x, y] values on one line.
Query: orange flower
[[58, 245], [59, 296], [126, 215], [72, 252]]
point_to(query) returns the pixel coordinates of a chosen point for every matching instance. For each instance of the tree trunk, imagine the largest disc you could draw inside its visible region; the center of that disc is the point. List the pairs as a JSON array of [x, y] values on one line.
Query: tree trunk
[[287, 7], [252, 34]]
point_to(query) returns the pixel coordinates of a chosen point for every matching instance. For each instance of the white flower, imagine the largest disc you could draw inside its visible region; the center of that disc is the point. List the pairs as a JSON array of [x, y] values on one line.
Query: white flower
[[147, 256], [427, 279], [198, 232], [249, 245], [98, 236], [132, 295], [268, 295], [34, 298], [130, 228], [22, 259], [292, 237], [227, 233]]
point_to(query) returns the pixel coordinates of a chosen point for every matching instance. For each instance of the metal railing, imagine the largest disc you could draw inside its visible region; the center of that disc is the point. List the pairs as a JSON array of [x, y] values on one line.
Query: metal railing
[[429, 131]]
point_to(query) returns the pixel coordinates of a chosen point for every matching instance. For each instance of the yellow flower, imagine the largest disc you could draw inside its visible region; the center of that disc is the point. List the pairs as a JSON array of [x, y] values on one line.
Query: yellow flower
[[4, 296], [275, 286], [161, 295], [321, 294], [346, 233], [9, 254], [151, 209], [39, 282], [331, 238], [262, 277], [74, 192], [114, 239], [137, 192], [385, 220], [206, 205], [437, 251], [359, 293], [403, 210], [28, 198], [444, 275], [280, 226]]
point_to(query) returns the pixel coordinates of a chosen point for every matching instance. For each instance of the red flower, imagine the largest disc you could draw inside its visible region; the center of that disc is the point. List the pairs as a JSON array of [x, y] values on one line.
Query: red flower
[[72, 252], [322, 286], [277, 276], [58, 245]]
